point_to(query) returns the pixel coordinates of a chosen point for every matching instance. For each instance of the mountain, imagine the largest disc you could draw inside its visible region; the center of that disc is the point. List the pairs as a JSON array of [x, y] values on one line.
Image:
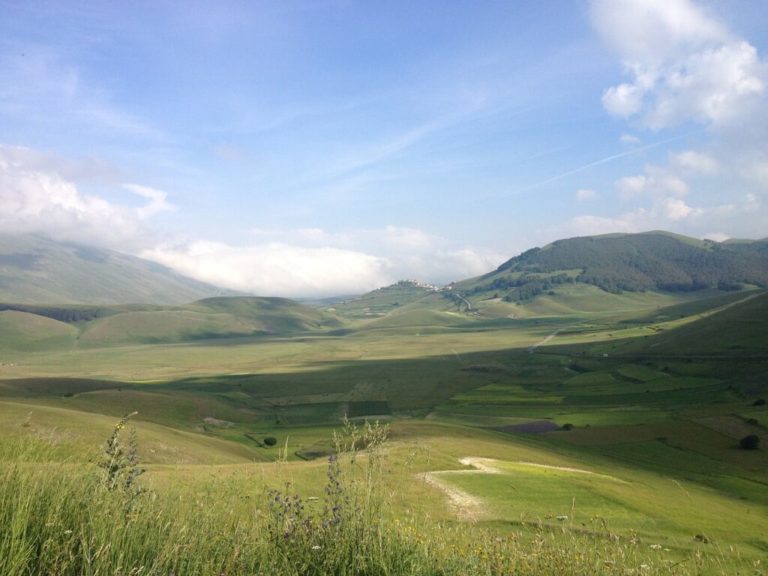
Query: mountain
[[616, 263], [36, 270]]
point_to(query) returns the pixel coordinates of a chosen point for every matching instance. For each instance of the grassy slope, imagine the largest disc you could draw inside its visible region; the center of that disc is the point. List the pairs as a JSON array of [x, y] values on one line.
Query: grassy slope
[[25, 332], [30, 328]]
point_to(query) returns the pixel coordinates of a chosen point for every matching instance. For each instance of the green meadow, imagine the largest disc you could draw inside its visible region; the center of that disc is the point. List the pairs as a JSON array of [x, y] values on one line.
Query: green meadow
[[580, 433]]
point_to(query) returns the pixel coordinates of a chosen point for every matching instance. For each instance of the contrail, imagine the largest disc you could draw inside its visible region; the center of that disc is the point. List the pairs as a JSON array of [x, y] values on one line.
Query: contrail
[[605, 160]]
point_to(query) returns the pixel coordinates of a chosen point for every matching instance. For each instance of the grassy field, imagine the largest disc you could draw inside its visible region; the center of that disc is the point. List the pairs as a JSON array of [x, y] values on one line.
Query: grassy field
[[593, 422]]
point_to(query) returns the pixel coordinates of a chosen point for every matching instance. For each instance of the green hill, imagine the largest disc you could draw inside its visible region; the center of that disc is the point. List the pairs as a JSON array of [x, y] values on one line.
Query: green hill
[[616, 263], [28, 327], [384, 300], [37, 270]]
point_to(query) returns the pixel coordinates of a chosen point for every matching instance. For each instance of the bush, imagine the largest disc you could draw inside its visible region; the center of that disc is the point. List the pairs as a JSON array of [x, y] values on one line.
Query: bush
[[270, 441], [750, 442], [759, 402], [567, 426]]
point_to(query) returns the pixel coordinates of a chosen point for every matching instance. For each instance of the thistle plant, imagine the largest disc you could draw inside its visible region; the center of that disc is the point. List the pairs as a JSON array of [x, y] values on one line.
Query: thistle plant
[[120, 459]]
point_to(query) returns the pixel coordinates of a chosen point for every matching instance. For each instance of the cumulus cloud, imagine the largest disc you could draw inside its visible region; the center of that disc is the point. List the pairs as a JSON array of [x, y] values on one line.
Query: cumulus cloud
[[695, 162], [740, 217], [34, 198], [654, 183], [676, 209], [682, 63]]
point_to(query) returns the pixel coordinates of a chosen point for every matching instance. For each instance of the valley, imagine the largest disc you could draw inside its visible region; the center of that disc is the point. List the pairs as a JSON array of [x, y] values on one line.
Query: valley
[[576, 411]]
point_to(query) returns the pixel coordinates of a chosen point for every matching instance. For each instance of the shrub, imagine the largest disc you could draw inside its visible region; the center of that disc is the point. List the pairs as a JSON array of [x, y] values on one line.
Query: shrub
[[750, 442], [567, 426], [270, 441], [759, 402]]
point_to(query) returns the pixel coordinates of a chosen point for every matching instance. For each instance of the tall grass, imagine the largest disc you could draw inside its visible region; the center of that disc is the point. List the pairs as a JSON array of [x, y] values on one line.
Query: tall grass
[[75, 519]]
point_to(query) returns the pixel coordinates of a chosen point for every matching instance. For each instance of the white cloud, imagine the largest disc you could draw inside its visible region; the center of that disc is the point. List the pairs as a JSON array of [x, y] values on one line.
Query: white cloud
[[585, 194], [717, 236], [409, 253], [653, 31], [695, 162], [280, 268], [623, 100], [683, 64], [654, 183], [157, 200], [34, 197], [277, 269], [676, 209]]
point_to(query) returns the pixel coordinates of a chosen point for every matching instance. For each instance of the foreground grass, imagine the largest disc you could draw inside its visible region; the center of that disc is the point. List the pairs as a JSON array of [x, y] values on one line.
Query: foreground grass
[[95, 519]]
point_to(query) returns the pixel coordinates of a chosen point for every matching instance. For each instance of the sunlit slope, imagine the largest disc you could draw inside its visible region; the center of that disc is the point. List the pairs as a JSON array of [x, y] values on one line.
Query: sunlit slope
[[27, 332], [271, 315], [384, 300], [584, 300], [35, 269], [81, 435]]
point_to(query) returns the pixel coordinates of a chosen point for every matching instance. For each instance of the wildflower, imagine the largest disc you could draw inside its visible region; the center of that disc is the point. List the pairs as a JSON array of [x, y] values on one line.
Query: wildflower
[[316, 547], [655, 546]]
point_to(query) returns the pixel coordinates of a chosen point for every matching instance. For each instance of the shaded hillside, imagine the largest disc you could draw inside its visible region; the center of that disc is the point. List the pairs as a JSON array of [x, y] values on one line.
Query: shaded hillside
[[628, 262], [735, 330], [37, 270]]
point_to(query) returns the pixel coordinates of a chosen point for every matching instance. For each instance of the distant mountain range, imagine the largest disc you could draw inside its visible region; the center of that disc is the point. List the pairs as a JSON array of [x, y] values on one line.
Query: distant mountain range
[[37, 270], [651, 261]]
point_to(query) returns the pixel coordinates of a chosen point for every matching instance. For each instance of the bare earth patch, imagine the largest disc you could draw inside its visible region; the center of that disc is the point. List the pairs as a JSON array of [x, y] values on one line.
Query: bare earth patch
[[472, 508], [467, 507]]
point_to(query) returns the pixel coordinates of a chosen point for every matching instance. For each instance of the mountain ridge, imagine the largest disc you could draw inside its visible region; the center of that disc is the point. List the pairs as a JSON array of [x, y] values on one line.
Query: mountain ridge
[[648, 261], [35, 269]]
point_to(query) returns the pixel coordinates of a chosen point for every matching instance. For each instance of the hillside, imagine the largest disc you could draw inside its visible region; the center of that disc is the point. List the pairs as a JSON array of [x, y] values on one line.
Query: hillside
[[384, 300], [37, 270], [735, 330], [53, 327], [616, 263]]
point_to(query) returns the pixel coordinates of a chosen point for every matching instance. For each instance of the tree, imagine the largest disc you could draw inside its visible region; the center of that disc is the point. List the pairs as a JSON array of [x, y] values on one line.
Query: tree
[[750, 442]]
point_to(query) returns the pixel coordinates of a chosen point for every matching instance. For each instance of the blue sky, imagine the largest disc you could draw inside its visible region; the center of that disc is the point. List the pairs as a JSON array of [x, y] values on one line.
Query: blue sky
[[329, 147]]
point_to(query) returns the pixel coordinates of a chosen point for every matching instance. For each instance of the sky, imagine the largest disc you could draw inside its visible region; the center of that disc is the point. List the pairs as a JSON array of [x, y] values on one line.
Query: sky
[[325, 147]]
